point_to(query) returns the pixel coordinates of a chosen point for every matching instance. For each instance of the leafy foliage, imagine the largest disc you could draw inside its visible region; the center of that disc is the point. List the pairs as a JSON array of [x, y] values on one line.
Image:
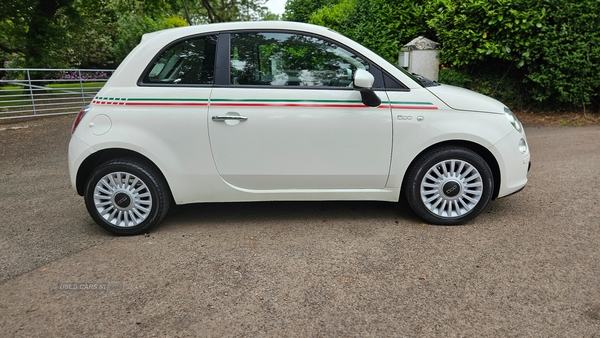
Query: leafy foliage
[[334, 16], [210, 11], [478, 30], [300, 10], [30, 28], [377, 24], [567, 54], [385, 26], [541, 53], [524, 52], [100, 33], [553, 46]]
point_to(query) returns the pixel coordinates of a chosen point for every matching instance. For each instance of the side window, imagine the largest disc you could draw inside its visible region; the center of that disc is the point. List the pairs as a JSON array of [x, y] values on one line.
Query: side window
[[190, 61], [283, 59]]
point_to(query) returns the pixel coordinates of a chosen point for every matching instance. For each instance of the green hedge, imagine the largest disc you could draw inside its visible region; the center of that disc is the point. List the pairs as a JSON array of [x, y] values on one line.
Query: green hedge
[[527, 53], [551, 46], [381, 25]]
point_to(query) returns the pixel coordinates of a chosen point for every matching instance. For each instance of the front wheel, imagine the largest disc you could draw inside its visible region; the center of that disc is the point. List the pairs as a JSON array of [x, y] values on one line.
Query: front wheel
[[126, 197], [449, 185]]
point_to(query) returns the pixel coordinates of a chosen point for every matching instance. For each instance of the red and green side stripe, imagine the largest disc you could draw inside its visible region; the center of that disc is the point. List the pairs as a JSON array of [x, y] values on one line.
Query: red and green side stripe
[[286, 103], [163, 102], [150, 102]]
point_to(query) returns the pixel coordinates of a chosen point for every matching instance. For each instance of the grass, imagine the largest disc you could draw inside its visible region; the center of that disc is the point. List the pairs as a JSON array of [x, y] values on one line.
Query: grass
[[21, 96], [14, 90], [572, 119]]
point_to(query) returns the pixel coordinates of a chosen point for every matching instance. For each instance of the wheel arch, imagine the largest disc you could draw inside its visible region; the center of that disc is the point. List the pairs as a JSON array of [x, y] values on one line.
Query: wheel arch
[[488, 157], [94, 160]]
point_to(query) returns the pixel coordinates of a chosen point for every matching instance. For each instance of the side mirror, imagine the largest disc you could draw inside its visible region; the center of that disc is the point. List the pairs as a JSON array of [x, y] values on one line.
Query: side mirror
[[363, 81]]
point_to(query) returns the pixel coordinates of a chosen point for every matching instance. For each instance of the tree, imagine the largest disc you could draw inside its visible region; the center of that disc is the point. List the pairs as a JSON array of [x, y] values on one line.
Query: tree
[[334, 16], [300, 10], [100, 33], [212, 11], [381, 25], [30, 28]]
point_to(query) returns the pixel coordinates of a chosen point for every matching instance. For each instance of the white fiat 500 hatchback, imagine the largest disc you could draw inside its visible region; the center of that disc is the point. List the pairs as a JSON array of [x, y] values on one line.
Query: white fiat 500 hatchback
[[271, 111]]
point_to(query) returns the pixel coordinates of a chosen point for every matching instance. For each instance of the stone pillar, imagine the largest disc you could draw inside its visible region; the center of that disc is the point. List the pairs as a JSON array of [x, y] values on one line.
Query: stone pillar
[[420, 56]]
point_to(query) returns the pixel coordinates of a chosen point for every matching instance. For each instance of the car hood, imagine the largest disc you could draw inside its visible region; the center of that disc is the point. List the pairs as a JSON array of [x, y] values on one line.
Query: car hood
[[464, 99]]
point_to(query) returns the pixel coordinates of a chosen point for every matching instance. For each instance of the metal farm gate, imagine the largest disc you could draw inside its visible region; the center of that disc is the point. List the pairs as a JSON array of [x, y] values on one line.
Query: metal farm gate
[[45, 92]]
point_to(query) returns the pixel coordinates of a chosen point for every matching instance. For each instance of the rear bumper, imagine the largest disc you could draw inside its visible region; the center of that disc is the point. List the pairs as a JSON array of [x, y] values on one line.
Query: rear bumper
[[78, 152]]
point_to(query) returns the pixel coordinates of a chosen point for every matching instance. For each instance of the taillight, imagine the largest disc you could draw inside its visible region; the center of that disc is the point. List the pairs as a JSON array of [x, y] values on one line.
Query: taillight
[[81, 114]]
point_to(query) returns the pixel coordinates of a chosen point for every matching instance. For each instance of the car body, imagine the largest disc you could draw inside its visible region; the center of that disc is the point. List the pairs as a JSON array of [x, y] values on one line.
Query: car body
[[270, 111]]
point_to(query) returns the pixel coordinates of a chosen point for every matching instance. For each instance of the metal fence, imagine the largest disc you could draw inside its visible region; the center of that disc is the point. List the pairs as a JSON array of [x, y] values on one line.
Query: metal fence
[[44, 92]]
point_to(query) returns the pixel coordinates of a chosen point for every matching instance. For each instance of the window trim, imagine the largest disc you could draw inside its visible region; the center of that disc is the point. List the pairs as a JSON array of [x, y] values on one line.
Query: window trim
[[149, 66], [404, 88], [222, 76], [222, 68], [379, 72]]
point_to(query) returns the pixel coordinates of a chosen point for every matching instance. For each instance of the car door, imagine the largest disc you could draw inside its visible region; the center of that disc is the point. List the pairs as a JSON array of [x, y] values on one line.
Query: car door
[[291, 119]]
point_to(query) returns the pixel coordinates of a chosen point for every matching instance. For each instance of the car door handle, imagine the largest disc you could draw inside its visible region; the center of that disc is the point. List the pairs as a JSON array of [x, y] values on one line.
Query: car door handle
[[229, 117]]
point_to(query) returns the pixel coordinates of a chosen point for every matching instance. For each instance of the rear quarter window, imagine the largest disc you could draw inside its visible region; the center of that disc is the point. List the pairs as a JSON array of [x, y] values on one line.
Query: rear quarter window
[[185, 62]]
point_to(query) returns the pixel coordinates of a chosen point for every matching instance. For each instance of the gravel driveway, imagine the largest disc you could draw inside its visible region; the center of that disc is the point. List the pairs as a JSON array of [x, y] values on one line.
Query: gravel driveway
[[528, 266]]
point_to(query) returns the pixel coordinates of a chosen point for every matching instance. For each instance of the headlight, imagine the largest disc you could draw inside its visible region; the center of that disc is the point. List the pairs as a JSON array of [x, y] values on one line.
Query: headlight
[[513, 119]]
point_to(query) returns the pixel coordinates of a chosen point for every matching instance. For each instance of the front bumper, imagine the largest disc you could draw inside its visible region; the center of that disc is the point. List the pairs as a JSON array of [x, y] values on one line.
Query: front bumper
[[513, 164]]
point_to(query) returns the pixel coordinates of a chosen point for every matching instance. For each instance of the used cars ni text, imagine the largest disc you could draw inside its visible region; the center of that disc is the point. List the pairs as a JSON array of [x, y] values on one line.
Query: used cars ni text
[[271, 111]]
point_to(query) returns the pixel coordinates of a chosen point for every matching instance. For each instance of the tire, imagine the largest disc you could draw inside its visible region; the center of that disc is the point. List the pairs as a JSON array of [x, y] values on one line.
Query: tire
[[126, 197], [449, 185]]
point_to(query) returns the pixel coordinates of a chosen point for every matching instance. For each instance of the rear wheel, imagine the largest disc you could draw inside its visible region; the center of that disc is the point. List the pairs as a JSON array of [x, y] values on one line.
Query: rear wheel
[[449, 185], [126, 197]]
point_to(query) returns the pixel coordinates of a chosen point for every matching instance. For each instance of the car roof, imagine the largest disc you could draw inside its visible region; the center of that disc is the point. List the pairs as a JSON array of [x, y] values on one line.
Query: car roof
[[239, 25]]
